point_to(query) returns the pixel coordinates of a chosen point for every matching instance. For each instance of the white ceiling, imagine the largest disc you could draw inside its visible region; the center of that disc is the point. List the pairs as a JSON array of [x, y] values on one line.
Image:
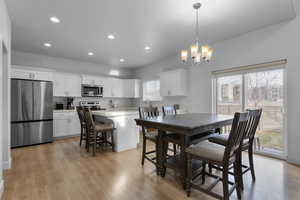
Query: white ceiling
[[165, 25]]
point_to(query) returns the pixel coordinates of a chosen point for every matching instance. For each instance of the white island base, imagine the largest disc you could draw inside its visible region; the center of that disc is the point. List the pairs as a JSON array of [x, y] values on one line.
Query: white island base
[[126, 135]]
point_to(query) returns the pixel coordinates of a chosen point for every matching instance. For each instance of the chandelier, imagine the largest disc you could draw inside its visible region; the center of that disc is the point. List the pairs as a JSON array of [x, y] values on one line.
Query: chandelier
[[198, 53]]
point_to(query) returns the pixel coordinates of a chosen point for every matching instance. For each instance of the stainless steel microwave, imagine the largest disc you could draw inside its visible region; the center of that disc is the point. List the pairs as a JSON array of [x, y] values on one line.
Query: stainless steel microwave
[[91, 91]]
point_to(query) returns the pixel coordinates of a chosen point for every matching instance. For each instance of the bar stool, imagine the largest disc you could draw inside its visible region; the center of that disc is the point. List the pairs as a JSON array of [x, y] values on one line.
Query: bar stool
[[97, 133], [83, 135]]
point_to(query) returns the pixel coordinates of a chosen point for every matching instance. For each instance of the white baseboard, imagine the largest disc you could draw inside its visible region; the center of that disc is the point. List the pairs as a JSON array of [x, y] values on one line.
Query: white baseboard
[[1, 188], [7, 164], [294, 160]]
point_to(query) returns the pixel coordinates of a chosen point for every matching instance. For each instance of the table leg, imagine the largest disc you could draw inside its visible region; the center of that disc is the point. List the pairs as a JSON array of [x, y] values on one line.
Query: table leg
[[159, 152], [185, 142]]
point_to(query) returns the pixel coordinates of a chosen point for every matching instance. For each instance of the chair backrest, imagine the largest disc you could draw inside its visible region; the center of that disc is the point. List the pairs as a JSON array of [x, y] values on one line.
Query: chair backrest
[[236, 134], [169, 110], [148, 112], [79, 110], [254, 118], [88, 118]]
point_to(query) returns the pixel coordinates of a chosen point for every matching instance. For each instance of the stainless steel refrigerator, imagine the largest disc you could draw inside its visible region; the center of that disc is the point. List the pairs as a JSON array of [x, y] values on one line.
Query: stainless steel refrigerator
[[31, 112]]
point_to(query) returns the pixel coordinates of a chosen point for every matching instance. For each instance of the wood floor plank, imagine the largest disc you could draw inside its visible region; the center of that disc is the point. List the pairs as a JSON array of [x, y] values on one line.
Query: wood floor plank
[[63, 170]]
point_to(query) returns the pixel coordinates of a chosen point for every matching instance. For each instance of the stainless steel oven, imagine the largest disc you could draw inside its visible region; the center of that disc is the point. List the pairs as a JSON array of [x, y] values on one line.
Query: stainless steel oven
[[91, 91]]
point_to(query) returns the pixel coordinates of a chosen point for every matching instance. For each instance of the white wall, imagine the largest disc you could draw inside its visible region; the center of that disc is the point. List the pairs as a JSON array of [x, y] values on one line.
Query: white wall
[[267, 44], [5, 37], [62, 64], [197, 78]]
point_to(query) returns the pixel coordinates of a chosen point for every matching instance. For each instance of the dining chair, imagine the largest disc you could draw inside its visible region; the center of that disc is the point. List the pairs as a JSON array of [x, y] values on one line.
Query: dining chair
[[169, 110], [83, 135], [149, 134], [97, 132], [248, 140], [224, 156], [171, 138]]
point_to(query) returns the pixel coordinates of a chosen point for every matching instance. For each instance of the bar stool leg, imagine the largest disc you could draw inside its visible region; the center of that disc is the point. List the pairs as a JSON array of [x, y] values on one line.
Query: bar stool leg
[[112, 141]]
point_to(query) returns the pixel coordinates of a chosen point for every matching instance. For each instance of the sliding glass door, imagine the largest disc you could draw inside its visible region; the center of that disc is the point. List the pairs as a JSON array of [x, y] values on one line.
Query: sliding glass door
[[229, 94], [256, 89]]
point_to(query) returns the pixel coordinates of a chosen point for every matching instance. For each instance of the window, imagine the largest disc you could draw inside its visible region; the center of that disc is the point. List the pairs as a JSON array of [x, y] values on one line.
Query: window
[[151, 90]]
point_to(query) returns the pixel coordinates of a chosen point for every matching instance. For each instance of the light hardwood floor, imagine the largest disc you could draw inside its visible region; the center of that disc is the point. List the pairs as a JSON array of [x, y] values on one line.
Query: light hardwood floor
[[64, 171]]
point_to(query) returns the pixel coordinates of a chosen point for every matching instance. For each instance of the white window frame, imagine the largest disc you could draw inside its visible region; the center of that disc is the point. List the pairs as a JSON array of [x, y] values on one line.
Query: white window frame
[[157, 97]]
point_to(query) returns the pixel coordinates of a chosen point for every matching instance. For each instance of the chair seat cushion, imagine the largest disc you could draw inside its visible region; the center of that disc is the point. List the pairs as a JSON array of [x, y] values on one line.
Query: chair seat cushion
[[222, 139], [103, 127], [207, 151]]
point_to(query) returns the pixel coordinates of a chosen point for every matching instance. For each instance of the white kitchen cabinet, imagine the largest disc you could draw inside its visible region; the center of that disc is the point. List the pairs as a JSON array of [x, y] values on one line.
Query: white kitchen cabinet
[[93, 80], [173, 83], [131, 88], [66, 124], [67, 85], [31, 74], [113, 87]]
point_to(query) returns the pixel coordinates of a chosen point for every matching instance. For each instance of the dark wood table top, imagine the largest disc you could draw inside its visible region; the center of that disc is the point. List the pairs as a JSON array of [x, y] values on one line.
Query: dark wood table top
[[187, 124]]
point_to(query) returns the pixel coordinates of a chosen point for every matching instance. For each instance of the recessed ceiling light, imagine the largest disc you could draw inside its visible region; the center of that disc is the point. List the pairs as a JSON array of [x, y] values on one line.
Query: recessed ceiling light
[[114, 72], [122, 60], [147, 48], [90, 53], [47, 44], [54, 20], [111, 37]]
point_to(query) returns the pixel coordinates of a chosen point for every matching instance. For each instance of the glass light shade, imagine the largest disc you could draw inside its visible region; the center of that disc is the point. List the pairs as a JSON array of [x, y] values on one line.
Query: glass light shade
[[209, 54], [197, 59], [204, 50], [194, 50], [184, 55]]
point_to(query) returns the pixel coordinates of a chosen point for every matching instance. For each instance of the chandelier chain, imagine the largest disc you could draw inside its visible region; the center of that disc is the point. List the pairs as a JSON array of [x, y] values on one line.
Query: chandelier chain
[[197, 26]]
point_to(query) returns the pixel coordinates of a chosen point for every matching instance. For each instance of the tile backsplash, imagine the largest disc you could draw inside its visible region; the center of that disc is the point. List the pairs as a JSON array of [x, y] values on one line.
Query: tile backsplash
[[105, 102]]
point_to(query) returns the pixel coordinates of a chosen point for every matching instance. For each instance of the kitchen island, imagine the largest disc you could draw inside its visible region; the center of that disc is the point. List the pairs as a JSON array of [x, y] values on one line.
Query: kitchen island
[[126, 135]]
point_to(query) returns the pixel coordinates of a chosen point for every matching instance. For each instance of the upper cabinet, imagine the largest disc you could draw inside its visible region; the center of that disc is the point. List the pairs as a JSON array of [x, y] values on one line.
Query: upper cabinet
[[92, 80], [21, 73], [131, 88], [121, 88], [113, 87], [67, 85], [173, 83]]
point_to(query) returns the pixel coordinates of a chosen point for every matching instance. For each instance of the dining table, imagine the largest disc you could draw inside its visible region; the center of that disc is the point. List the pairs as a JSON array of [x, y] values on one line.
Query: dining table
[[185, 126]]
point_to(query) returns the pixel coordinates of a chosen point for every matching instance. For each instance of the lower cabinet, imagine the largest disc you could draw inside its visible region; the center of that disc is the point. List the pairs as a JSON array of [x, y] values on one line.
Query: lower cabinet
[[66, 124]]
